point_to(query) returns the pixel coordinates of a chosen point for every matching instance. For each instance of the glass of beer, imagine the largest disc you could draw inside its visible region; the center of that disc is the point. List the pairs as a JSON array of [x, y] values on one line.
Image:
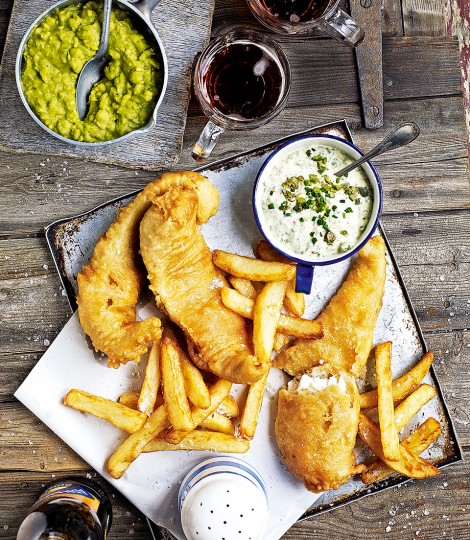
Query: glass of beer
[[241, 81], [304, 16]]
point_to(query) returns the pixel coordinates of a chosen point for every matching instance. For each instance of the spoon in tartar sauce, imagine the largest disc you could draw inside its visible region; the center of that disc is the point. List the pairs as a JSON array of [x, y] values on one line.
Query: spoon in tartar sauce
[[400, 136]]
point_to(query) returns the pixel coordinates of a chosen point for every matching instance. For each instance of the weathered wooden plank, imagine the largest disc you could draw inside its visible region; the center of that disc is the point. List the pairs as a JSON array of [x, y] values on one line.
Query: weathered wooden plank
[[236, 12], [6, 5], [4, 20], [412, 176], [424, 17], [14, 368], [28, 278], [452, 366], [36, 190], [429, 235], [440, 294], [392, 18], [28, 444], [434, 265], [419, 509], [435, 268]]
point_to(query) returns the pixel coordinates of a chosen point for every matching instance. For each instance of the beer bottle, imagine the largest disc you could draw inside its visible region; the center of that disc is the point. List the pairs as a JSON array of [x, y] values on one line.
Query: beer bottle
[[73, 508]]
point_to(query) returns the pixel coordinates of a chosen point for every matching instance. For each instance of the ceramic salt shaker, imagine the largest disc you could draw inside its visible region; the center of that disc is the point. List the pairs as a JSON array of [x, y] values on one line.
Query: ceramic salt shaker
[[223, 498]]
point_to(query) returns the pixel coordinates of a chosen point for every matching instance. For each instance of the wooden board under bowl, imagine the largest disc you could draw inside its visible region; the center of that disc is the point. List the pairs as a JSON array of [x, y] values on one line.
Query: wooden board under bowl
[[184, 27]]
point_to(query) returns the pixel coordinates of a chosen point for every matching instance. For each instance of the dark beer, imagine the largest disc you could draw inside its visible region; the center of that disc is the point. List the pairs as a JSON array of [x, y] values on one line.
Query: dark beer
[[296, 10], [243, 81], [74, 508]]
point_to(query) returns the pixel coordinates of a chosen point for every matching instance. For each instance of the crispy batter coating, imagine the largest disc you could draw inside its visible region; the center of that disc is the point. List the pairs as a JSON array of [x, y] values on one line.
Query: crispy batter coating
[[110, 284], [188, 285], [316, 433], [348, 320]]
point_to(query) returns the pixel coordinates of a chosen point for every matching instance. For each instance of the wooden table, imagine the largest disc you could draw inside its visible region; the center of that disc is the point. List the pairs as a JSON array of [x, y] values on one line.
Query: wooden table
[[425, 215]]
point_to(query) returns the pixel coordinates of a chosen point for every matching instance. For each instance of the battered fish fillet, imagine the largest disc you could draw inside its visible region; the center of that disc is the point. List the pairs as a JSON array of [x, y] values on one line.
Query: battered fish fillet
[[188, 285], [348, 320], [110, 284], [316, 428]]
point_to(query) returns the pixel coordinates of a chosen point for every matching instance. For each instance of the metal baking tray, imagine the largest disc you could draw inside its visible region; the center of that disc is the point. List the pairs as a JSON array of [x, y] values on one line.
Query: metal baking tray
[[72, 241]]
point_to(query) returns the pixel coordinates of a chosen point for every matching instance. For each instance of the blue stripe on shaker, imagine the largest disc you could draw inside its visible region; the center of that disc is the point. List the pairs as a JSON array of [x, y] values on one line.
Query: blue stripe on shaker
[[205, 466]]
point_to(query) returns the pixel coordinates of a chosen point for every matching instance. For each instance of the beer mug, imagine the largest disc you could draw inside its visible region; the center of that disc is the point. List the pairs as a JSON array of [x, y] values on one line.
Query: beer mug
[[303, 16], [241, 81]]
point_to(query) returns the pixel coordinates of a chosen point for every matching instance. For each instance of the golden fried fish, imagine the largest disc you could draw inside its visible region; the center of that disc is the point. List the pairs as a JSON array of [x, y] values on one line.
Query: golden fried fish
[[110, 284], [316, 427], [188, 286], [348, 320]]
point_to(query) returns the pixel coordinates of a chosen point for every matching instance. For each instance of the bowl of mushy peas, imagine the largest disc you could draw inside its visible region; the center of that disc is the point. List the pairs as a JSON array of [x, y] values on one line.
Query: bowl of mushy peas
[[309, 214], [55, 49]]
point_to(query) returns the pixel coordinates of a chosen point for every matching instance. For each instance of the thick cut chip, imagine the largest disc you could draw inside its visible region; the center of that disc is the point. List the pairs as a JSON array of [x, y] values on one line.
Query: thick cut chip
[[119, 415], [229, 407], [151, 384], [202, 440], [196, 389], [294, 301], [129, 399], [412, 404], [266, 313], [403, 385], [243, 286], [409, 464], [291, 326], [174, 391], [388, 432], [218, 391], [280, 341], [252, 269], [218, 422], [417, 442], [254, 400], [134, 445]]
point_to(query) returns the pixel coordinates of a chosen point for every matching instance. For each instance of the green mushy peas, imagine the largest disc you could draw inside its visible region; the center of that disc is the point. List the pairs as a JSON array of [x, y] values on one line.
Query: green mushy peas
[[56, 52]]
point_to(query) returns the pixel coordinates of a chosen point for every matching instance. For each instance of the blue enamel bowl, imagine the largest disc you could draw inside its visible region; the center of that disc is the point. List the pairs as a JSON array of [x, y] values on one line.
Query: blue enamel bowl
[[305, 266]]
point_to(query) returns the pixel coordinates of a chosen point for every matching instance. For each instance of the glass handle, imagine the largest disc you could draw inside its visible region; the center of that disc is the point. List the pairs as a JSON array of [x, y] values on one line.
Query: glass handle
[[207, 141], [343, 28]]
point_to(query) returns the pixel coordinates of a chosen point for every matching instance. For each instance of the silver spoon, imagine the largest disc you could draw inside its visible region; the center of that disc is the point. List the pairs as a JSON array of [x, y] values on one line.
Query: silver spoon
[[400, 136], [91, 71]]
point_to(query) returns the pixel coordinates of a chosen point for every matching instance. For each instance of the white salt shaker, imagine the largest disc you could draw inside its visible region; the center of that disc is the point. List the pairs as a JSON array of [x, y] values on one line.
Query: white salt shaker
[[223, 498]]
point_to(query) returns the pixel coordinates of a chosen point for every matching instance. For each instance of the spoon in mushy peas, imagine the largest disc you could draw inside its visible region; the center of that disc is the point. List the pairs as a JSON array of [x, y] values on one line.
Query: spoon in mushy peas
[[92, 70], [400, 136]]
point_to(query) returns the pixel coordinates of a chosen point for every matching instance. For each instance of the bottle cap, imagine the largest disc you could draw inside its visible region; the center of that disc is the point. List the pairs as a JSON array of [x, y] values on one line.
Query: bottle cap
[[223, 498]]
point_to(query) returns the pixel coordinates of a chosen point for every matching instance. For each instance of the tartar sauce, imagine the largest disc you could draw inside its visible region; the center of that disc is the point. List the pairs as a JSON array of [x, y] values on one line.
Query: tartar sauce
[[311, 211]]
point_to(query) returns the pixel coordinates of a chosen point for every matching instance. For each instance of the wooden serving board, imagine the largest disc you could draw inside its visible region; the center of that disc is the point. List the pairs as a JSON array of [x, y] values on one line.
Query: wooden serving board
[[184, 27]]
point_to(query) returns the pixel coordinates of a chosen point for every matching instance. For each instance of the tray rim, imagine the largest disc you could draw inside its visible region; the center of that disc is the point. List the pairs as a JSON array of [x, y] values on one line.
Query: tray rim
[[370, 489]]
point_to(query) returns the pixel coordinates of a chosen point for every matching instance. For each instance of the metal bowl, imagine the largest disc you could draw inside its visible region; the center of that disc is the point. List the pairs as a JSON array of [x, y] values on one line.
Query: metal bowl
[[141, 11]]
